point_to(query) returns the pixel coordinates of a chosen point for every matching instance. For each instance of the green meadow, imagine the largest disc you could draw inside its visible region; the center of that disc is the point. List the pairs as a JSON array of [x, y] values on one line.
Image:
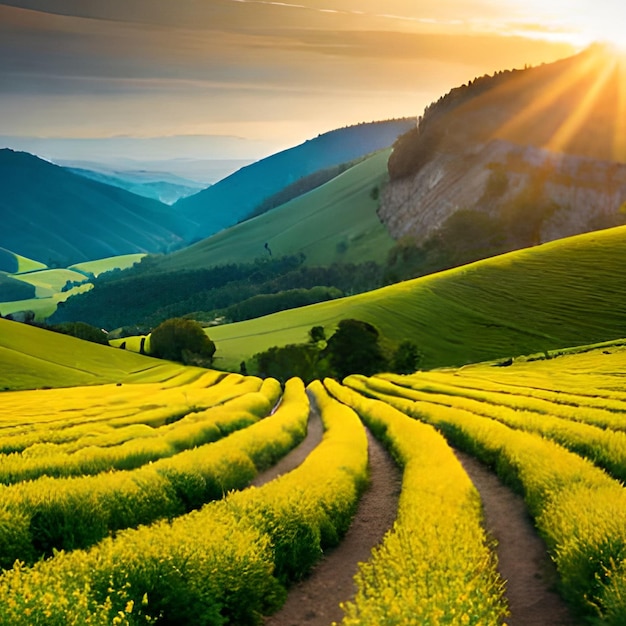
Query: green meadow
[[564, 293], [561, 294], [99, 266], [32, 358], [13, 263], [49, 282], [335, 222], [42, 307]]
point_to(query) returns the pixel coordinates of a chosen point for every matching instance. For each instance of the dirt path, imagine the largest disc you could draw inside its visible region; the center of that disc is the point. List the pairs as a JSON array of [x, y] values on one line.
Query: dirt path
[[522, 555], [315, 601], [314, 434]]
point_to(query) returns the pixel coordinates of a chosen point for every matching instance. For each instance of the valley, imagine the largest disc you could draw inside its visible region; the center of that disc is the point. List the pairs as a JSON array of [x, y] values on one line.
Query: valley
[[313, 390]]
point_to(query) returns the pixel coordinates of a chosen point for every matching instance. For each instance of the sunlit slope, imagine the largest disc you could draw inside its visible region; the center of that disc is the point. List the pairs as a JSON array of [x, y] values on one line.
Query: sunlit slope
[[573, 106], [335, 222], [41, 307], [50, 281], [31, 357], [593, 376], [565, 293], [13, 263], [99, 266], [41, 290]]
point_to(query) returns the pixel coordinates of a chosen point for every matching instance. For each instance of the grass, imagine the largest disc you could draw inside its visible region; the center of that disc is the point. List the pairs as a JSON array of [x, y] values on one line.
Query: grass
[[42, 307], [49, 283], [28, 265], [335, 222], [100, 266], [565, 293], [32, 358]]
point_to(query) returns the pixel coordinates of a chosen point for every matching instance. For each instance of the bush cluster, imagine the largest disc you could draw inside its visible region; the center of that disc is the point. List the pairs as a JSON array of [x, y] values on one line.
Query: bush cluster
[[183, 340], [354, 348]]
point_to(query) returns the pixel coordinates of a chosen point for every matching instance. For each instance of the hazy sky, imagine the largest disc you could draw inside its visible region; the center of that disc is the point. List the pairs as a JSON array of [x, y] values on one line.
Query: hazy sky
[[272, 73]]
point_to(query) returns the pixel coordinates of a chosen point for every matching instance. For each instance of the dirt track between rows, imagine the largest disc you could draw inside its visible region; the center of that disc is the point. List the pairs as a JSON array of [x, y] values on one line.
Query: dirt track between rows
[[522, 556], [523, 561]]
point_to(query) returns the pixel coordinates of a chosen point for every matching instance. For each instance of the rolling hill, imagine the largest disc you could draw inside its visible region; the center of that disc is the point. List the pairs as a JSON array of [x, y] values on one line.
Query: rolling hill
[[335, 222], [40, 289], [235, 197], [57, 217], [564, 293], [32, 358], [16, 264]]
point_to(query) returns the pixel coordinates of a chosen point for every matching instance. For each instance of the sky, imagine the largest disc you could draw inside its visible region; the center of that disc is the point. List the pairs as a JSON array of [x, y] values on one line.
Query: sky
[[246, 78]]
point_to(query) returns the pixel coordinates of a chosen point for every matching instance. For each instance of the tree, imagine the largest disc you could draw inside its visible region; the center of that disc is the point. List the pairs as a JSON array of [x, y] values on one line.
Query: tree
[[406, 358], [317, 334], [183, 340], [354, 349], [283, 362], [82, 331]]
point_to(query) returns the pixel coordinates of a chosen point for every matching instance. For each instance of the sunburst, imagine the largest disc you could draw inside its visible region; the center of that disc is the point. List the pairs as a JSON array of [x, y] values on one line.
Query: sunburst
[[582, 109]]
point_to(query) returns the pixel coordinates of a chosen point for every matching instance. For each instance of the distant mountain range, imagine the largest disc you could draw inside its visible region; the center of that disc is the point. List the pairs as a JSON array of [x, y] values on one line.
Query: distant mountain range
[[234, 198], [161, 186], [57, 217]]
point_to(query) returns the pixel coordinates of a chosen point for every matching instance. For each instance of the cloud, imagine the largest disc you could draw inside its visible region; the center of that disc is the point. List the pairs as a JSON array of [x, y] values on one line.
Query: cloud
[[209, 64]]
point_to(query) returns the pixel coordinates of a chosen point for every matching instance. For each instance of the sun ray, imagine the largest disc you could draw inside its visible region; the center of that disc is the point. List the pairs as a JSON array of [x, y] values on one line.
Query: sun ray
[[575, 121], [573, 75], [619, 137]]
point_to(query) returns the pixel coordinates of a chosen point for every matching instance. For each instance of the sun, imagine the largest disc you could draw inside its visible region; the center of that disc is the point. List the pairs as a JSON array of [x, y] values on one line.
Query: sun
[[604, 23], [589, 21], [612, 35]]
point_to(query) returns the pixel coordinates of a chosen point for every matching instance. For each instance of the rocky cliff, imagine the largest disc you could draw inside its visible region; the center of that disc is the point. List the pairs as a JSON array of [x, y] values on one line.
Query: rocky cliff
[[556, 195]]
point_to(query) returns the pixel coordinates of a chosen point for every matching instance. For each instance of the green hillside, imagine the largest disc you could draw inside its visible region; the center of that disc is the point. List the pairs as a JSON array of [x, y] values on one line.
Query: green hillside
[[335, 222], [50, 281], [41, 290], [13, 263], [61, 218], [564, 293], [235, 197], [99, 266], [42, 307], [32, 358]]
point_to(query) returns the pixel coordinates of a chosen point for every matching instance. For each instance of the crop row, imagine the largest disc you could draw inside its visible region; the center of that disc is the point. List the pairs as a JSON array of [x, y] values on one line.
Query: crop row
[[604, 447], [591, 396], [435, 565], [105, 412], [578, 509], [66, 513], [133, 446], [228, 562], [446, 391]]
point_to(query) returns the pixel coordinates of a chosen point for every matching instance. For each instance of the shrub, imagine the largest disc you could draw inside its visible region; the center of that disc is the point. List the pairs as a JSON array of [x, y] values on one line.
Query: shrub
[[354, 349], [406, 358], [301, 360], [179, 339], [82, 331]]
